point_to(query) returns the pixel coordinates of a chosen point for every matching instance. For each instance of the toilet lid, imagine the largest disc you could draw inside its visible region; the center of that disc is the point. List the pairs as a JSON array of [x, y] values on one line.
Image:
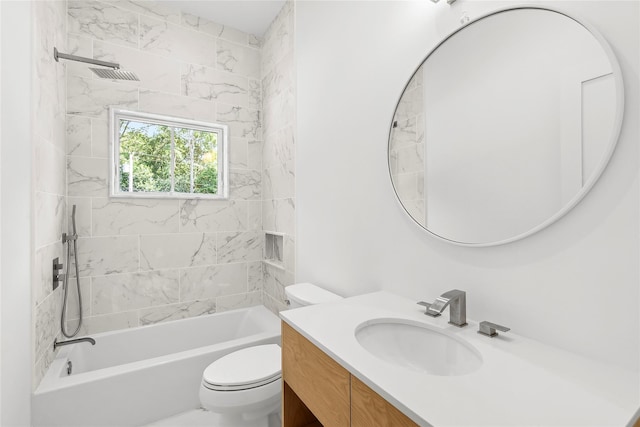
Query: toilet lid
[[245, 368]]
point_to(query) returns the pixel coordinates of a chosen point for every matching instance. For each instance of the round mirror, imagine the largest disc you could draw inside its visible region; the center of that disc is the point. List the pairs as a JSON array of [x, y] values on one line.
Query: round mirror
[[505, 126]]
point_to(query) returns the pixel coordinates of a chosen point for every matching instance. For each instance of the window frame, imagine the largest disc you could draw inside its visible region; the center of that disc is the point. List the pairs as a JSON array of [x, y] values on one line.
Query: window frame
[[222, 131]]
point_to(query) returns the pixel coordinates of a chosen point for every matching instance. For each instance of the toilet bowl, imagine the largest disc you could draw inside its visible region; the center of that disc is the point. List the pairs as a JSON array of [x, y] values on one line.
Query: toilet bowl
[[245, 386]]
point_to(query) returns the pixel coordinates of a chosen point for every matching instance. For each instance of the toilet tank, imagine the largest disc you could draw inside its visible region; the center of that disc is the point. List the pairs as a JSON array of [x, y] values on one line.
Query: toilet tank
[[302, 294]]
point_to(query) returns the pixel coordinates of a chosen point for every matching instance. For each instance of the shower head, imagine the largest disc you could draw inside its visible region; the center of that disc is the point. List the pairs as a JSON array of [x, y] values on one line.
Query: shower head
[[117, 74], [112, 70]]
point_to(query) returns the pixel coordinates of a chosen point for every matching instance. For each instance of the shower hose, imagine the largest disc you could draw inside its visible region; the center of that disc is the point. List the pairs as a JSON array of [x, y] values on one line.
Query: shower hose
[[68, 239]]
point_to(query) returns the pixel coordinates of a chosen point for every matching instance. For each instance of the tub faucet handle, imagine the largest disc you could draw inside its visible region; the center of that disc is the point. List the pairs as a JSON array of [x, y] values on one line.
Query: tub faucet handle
[[489, 329], [57, 276]]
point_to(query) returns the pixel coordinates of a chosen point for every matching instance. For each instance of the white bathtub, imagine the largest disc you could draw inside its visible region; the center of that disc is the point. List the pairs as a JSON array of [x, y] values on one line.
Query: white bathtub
[[135, 376]]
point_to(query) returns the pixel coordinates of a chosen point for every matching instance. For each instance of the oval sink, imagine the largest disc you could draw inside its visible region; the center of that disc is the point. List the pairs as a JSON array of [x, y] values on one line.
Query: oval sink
[[415, 346]]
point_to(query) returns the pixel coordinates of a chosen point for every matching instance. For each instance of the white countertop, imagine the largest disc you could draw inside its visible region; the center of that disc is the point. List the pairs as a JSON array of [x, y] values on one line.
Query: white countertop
[[521, 382]]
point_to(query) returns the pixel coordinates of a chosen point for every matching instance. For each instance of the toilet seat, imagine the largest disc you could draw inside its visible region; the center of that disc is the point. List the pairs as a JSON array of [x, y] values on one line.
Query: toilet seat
[[217, 387], [244, 369]]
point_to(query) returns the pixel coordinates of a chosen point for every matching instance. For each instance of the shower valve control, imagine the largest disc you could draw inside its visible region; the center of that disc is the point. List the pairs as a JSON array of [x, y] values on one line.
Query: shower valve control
[[57, 276]]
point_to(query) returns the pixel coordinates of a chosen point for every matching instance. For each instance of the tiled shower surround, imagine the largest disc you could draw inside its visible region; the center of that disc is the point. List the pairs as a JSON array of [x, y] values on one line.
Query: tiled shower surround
[[278, 161], [48, 176], [144, 261]]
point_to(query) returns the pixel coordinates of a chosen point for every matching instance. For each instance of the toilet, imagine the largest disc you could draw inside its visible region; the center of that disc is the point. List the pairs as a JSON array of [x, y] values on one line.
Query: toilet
[[245, 386]]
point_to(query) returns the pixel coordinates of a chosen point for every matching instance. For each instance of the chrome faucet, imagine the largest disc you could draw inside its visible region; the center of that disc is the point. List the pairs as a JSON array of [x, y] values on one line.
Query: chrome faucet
[[57, 343], [457, 300]]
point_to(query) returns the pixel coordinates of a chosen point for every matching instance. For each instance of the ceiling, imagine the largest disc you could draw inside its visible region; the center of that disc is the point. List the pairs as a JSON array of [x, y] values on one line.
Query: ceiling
[[250, 16]]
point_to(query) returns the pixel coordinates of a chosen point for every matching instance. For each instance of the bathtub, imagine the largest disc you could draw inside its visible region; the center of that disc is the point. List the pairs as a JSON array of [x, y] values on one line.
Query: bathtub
[[135, 376]]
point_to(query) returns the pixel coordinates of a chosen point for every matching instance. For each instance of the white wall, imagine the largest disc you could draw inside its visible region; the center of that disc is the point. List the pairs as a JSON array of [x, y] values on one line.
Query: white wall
[[1, 383], [16, 204], [573, 285]]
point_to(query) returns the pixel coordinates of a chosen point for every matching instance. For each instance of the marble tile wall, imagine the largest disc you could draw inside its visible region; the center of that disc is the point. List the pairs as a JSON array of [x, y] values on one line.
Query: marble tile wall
[[278, 159], [148, 261], [407, 149], [48, 176]]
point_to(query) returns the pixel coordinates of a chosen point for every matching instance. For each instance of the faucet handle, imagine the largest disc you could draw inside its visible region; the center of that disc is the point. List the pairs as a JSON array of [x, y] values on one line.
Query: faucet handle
[[489, 329], [427, 312]]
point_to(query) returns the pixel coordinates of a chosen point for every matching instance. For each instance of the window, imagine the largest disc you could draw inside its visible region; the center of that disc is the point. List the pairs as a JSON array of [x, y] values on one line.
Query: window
[[159, 156]]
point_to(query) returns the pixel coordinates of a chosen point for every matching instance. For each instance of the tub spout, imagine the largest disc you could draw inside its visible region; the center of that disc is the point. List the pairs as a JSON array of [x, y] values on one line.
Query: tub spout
[[57, 343]]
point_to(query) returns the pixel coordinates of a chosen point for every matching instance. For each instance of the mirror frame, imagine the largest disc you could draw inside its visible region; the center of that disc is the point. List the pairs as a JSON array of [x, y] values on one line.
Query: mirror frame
[[602, 164]]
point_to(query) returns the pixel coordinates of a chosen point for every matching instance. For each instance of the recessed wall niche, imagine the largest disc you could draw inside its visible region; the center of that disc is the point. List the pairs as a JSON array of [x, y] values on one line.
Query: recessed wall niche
[[273, 249]]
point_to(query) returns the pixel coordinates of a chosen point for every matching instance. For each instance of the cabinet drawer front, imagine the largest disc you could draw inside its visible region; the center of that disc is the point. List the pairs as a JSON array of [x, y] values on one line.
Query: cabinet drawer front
[[321, 383], [369, 409]]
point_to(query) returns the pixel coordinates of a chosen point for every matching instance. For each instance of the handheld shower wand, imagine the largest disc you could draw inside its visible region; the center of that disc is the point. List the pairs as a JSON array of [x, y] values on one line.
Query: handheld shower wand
[[68, 239]]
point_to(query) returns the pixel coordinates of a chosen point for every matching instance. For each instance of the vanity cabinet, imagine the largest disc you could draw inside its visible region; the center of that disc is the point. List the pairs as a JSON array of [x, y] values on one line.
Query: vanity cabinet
[[317, 391], [320, 384], [368, 408]]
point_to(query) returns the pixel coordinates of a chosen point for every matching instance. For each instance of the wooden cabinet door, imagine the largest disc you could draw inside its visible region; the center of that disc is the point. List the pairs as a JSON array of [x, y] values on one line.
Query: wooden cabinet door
[[316, 379], [369, 409]]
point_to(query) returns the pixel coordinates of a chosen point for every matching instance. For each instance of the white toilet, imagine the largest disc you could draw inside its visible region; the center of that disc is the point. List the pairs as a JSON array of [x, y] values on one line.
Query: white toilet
[[245, 386]]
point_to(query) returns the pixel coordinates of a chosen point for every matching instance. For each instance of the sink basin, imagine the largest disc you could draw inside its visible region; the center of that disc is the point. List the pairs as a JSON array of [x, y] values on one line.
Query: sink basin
[[415, 346]]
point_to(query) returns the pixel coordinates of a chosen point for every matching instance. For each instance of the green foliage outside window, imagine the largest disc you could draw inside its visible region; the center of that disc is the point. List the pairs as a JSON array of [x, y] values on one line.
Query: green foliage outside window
[[145, 150]]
